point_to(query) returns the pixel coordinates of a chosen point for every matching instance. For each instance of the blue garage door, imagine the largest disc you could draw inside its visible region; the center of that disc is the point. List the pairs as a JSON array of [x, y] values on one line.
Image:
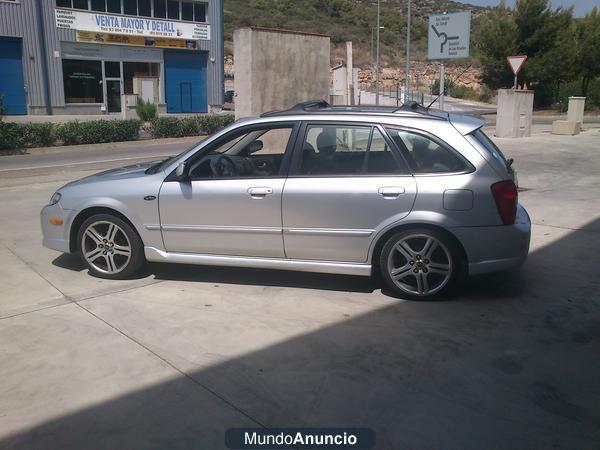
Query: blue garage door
[[12, 85], [185, 81]]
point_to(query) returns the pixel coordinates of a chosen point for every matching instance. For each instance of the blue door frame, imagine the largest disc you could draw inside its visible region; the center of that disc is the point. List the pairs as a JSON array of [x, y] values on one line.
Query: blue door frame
[[185, 81], [12, 85]]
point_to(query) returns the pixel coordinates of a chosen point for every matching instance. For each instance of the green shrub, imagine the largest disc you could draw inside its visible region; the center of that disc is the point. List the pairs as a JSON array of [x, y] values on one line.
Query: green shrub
[[98, 131], [167, 127], [146, 110], [12, 136], [1, 105], [39, 134], [573, 89]]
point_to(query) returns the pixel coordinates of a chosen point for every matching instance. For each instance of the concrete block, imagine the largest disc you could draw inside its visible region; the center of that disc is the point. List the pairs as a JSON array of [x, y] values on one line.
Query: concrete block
[[566, 127], [275, 69], [514, 114], [576, 109]]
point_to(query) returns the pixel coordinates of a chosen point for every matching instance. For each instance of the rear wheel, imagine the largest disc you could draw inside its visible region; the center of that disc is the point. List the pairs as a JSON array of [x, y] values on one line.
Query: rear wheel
[[109, 247], [419, 263]]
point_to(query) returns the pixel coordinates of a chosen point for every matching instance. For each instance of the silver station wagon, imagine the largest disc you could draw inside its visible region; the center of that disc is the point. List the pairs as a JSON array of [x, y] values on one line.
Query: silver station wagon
[[424, 197]]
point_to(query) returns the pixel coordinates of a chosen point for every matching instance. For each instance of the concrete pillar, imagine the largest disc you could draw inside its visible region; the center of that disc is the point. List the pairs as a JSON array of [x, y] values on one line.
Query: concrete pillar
[[576, 108], [514, 114]]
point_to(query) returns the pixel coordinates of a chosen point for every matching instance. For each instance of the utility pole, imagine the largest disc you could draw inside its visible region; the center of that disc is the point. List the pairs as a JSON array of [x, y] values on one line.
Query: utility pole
[[377, 65], [407, 80]]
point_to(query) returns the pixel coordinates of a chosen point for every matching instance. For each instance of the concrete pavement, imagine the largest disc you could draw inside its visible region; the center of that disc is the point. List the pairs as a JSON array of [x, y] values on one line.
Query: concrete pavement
[[173, 358]]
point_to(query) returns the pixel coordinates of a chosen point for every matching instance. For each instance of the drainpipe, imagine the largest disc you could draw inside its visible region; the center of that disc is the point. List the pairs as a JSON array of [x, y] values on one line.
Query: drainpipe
[[42, 45]]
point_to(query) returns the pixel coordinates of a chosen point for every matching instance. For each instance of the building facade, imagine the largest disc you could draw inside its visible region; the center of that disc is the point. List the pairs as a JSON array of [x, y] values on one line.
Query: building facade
[[99, 56]]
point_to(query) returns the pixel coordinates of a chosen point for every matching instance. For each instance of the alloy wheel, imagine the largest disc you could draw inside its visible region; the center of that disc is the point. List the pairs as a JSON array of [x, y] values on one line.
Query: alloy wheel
[[106, 247], [420, 264]]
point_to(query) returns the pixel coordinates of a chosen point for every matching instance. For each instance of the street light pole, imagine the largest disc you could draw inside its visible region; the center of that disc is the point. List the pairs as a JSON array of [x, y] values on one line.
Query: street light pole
[[377, 65], [407, 81]]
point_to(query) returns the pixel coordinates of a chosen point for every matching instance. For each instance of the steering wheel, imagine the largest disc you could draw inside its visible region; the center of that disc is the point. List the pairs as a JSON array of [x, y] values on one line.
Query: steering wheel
[[223, 167]]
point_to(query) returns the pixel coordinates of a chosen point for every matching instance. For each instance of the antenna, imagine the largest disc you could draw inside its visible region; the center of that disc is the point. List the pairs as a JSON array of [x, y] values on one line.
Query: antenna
[[445, 88]]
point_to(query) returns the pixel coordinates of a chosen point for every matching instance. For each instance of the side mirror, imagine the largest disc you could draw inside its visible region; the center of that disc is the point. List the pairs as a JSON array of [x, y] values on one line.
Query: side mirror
[[254, 147], [181, 172]]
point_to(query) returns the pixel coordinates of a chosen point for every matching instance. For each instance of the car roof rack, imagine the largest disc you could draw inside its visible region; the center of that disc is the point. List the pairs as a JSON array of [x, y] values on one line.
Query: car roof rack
[[322, 107]]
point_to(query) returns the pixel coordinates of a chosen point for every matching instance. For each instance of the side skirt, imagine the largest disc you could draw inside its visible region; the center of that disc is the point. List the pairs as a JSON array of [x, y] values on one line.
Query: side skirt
[[156, 255]]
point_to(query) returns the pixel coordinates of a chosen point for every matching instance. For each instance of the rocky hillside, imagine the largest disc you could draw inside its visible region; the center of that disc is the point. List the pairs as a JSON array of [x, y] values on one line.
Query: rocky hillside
[[346, 20]]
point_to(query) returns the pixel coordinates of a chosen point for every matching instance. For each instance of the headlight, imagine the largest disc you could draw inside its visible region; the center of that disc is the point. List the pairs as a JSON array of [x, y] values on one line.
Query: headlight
[[55, 198]]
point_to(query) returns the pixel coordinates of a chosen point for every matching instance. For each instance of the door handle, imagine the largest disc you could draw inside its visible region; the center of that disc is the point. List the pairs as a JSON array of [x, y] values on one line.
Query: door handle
[[259, 192], [391, 191]]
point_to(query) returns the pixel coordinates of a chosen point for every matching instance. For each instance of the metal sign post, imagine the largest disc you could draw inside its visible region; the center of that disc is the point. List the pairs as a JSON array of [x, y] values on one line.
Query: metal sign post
[[516, 63], [449, 38]]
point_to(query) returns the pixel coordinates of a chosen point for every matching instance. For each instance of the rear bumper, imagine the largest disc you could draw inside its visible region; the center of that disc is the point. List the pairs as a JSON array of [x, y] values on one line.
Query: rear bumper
[[497, 248]]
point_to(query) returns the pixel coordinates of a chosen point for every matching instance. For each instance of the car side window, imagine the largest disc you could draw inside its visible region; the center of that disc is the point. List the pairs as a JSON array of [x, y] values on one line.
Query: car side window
[[346, 150], [424, 155], [248, 154]]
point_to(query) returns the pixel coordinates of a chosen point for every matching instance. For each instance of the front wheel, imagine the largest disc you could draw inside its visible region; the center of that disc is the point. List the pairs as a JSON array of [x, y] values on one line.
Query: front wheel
[[110, 247], [419, 263]]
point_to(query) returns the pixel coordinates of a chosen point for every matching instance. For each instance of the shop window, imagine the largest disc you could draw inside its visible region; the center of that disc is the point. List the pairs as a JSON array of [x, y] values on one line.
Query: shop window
[[173, 9], [80, 4], [113, 6], [199, 12], [112, 69], [64, 4], [130, 7], [82, 81], [187, 11], [160, 8], [145, 8], [133, 70], [99, 5]]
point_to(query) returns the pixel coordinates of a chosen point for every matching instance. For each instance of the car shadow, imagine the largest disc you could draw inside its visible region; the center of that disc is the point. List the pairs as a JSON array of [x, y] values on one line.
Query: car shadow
[[511, 363]]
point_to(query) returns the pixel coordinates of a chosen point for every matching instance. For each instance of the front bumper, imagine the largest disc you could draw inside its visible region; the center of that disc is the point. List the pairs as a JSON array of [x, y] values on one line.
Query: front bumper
[[55, 235], [497, 248]]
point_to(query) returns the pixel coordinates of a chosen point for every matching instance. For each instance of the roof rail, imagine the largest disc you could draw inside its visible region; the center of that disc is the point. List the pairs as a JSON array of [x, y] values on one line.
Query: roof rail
[[300, 107]]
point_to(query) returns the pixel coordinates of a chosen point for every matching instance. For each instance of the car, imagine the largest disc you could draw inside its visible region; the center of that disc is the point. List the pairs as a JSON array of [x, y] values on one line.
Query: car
[[423, 197]]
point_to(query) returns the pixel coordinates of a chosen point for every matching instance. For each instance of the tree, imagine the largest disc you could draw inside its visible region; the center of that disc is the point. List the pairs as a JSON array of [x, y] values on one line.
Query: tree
[[588, 49], [497, 39], [545, 35]]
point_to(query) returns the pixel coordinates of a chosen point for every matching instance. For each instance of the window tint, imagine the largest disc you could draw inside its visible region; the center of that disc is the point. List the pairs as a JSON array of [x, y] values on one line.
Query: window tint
[[113, 6], [144, 8], [99, 5], [425, 155], [160, 8], [130, 7], [346, 150], [82, 81], [80, 4], [64, 4], [173, 9], [254, 154], [489, 145], [200, 12], [187, 11]]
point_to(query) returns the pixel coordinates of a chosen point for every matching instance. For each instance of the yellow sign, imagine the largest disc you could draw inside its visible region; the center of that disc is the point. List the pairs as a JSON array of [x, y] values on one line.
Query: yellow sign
[[141, 41]]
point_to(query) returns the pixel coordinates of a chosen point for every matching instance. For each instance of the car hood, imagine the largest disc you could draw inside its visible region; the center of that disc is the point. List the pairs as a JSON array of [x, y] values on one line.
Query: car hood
[[127, 172]]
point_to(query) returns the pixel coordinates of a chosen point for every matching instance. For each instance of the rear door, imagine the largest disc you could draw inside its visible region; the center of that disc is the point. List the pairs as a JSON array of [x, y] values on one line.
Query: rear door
[[345, 183]]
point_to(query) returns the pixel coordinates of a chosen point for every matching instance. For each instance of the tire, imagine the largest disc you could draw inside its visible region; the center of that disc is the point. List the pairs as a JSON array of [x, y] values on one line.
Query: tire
[[109, 247], [420, 263]]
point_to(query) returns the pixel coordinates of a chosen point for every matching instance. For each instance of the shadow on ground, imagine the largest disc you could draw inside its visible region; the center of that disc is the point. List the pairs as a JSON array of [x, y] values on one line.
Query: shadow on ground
[[511, 363]]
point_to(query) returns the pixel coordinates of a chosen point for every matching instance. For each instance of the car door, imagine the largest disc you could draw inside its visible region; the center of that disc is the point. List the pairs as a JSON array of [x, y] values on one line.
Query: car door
[[231, 203], [346, 183]]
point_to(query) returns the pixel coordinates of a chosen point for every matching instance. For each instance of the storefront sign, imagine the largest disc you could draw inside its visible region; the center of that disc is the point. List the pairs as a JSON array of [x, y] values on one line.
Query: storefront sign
[[130, 26], [102, 38]]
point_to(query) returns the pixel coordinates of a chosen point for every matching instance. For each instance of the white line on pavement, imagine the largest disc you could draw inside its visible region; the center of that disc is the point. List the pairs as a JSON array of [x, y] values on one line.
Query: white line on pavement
[[83, 163]]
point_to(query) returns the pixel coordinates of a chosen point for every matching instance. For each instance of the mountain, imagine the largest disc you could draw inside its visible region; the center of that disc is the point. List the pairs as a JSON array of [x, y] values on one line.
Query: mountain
[[346, 20]]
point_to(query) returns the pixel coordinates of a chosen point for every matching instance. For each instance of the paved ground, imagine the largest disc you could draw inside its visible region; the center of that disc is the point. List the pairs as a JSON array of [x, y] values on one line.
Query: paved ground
[[175, 357]]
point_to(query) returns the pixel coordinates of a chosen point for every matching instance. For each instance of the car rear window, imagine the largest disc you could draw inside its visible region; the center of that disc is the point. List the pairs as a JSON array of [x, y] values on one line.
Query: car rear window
[[489, 145]]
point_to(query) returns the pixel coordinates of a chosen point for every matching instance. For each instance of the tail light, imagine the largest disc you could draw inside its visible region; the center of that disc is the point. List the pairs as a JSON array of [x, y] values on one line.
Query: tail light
[[506, 196]]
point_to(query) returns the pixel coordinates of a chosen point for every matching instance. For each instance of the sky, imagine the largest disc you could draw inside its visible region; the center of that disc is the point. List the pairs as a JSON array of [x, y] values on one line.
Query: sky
[[581, 6]]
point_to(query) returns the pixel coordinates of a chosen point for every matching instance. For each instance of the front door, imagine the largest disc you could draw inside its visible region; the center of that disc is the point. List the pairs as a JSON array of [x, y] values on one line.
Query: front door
[[346, 182], [232, 203], [113, 95]]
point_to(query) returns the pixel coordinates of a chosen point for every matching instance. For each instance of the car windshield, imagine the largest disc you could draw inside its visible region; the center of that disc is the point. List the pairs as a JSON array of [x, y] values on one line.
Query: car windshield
[[162, 164]]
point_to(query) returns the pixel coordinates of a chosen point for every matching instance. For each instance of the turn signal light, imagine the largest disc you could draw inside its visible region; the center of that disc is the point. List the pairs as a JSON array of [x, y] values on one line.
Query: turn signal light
[[506, 196], [55, 221]]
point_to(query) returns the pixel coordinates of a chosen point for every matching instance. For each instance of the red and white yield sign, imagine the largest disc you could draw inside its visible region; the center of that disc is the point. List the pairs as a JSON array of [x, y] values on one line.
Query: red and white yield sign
[[515, 63]]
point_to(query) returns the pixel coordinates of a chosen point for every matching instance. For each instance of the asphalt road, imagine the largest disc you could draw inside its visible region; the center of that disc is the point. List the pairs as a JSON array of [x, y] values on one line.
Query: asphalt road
[[177, 355]]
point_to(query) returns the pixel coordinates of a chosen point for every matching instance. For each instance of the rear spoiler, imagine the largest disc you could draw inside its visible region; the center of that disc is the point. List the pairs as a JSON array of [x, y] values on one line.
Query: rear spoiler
[[466, 124]]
